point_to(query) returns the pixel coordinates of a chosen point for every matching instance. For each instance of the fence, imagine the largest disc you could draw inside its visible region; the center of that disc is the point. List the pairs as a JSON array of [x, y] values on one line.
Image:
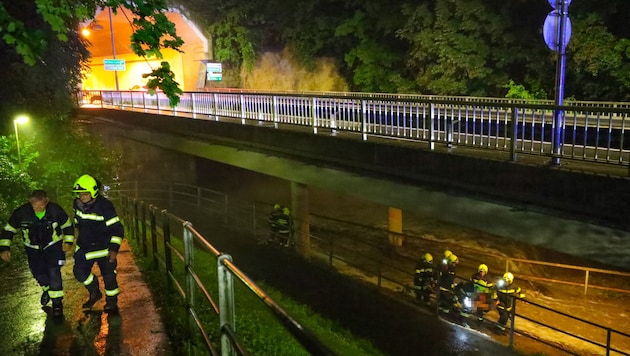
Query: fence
[[161, 226], [353, 247], [589, 132]]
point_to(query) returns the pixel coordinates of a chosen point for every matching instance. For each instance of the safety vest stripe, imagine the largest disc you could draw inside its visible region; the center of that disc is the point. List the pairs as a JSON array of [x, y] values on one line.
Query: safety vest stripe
[[45, 288], [90, 216], [89, 280], [68, 238], [116, 240], [68, 223], [55, 294], [8, 227], [5, 242], [96, 254], [51, 243], [111, 293], [112, 221], [31, 246]]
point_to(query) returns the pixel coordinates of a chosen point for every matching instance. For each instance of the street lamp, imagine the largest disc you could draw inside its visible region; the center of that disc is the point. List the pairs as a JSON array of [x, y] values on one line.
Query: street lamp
[[21, 119]]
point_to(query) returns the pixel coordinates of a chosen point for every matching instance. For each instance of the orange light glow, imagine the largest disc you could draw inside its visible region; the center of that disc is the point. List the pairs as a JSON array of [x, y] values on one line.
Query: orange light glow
[[85, 32]]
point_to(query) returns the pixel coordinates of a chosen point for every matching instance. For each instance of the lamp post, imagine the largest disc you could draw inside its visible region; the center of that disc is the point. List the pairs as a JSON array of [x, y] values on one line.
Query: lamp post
[[22, 119], [111, 33]]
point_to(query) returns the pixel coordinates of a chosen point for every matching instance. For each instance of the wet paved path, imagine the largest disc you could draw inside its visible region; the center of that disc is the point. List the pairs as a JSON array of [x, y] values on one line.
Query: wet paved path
[[27, 329]]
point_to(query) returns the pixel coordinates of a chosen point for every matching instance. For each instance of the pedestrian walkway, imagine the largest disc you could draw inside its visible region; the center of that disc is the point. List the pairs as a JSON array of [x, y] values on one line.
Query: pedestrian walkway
[[27, 328]]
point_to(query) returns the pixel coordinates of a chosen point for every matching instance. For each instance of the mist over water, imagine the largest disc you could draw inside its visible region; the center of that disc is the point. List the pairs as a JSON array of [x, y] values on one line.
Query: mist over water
[[603, 244]]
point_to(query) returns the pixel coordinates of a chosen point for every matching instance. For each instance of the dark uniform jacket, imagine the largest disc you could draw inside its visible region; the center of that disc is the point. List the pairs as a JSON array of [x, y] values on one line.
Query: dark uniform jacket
[[505, 296], [424, 274], [99, 227], [38, 234]]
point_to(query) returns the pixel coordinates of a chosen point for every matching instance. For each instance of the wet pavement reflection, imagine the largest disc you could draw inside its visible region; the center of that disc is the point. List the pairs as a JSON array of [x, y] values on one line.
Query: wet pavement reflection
[[27, 328]]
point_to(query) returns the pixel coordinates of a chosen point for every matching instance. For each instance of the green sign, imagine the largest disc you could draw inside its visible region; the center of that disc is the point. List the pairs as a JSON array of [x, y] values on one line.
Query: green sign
[[214, 71], [114, 64]]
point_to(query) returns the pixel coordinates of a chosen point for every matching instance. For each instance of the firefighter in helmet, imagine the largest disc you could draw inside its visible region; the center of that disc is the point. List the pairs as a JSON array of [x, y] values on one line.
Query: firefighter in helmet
[[483, 288], [100, 236], [447, 282], [424, 279], [505, 297]]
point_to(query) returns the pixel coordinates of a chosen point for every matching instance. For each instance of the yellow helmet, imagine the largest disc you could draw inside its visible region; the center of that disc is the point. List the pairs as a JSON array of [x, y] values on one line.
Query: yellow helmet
[[453, 259], [286, 211], [427, 258], [508, 277], [276, 207], [86, 184], [482, 268], [447, 253]]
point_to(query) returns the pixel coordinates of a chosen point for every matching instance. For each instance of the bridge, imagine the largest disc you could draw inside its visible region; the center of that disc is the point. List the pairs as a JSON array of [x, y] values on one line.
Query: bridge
[[496, 148]]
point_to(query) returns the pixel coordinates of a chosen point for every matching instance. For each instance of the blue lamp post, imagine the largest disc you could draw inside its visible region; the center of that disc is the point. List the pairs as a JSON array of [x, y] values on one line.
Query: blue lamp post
[[557, 32]]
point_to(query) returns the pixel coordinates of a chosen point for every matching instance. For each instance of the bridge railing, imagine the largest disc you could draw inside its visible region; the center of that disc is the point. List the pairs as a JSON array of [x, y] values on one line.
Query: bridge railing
[[590, 131]]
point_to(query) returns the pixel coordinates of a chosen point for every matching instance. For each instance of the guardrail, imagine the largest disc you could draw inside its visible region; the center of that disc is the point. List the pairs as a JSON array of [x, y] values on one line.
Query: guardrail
[[589, 131], [364, 248], [159, 224]]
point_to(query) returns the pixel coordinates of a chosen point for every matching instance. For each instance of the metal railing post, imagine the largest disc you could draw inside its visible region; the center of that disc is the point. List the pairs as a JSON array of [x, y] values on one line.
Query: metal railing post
[[168, 254], [242, 100], [190, 281], [586, 282], [215, 106], [514, 133], [226, 303], [192, 105], [143, 216], [512, 316], [136, 230], [314, 114], [275, 112], [432, 128], [153, 236], [364, 120]]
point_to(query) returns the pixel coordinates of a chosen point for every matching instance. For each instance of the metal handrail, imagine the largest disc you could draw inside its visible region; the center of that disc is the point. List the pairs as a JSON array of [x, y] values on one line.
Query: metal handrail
[[593, 132], [191, 236]]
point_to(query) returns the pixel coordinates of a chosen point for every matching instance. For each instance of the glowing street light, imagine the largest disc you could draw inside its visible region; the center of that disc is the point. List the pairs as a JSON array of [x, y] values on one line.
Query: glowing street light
[[21, 119]]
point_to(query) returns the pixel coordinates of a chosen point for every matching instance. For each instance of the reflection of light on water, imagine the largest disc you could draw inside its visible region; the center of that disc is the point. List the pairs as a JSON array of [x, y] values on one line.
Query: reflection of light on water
[[461, 336]]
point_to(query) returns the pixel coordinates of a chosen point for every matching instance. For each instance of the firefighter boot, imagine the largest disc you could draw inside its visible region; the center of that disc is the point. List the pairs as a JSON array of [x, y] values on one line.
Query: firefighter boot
[[57, 308], [111, 305], [95, 296], [45, 298]]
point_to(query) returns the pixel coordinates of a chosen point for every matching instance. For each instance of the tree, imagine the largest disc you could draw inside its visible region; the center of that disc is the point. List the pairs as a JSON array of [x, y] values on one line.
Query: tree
[[33, 28]]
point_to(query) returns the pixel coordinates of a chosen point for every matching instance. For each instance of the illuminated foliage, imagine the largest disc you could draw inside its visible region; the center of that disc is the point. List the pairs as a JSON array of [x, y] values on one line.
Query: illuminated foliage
[[26, 27]]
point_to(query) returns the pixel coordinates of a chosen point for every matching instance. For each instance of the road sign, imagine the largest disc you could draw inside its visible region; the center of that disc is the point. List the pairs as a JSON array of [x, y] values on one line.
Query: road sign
[[214, 71], [551, 32], [114, 64]]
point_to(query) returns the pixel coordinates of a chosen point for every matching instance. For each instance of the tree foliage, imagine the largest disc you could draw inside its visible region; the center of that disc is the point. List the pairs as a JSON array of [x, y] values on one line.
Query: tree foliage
[[35, 30], [455, 47]]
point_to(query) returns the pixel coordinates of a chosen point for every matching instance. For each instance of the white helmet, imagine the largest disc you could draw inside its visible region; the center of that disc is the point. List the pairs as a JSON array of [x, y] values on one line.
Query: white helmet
[[508, 277]]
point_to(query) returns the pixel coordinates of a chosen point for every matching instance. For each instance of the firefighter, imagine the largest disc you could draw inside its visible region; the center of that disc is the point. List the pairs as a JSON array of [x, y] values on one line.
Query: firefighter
[[424, 279], [504, 296], [281, 225], [45, 227], [482, 288], [100, 236], [274, 223], [447, 282]]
